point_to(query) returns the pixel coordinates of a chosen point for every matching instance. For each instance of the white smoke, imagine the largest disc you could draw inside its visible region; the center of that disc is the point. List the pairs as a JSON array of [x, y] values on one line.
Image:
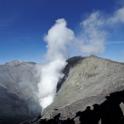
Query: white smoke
[[58, 38]]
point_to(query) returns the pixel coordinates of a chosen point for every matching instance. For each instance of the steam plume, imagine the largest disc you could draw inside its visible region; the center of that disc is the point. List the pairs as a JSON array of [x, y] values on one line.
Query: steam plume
[[58, 38], [90, 40]]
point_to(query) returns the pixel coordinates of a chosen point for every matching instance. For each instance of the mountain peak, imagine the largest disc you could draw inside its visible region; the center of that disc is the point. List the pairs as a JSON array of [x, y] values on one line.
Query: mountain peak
[[87, 82], [14, 62]]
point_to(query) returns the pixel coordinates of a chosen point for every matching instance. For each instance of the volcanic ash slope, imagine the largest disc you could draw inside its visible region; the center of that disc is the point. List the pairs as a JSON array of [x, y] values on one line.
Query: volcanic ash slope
[[18, 88], [88, 82]]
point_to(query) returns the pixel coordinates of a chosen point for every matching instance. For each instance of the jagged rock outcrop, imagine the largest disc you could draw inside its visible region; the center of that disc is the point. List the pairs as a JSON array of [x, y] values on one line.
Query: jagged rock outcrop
[[87, 83], [71, 63], [18, 89]]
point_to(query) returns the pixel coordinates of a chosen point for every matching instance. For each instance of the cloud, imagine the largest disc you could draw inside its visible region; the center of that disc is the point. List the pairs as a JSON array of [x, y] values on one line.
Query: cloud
[[116, 43], [118, 17], [92, 36]]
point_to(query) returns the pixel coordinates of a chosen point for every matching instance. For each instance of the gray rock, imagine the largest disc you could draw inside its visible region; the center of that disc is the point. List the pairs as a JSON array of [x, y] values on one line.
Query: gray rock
[[87, 83], [18, 91]]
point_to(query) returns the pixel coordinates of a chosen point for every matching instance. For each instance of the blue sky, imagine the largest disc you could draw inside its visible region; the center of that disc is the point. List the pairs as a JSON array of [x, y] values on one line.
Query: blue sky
[[23, 24]]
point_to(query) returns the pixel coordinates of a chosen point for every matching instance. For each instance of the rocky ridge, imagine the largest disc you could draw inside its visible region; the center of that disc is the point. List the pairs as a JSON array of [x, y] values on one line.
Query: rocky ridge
[[87, 83]]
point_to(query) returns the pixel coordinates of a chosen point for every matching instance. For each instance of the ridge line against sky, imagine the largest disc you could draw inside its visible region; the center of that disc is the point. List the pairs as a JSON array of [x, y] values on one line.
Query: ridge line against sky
[[23, 25]]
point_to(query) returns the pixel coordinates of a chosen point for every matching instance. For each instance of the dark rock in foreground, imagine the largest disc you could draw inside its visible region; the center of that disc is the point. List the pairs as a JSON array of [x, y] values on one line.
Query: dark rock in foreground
[[108, 112]]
